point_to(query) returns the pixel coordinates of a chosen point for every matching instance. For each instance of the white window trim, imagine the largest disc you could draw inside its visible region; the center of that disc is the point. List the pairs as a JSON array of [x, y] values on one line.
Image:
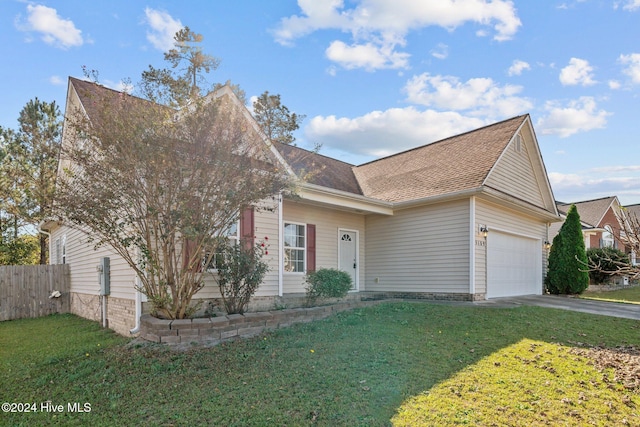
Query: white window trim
[[235, 237], [611, 240], [64, 249], [285, 247], [60, 246]]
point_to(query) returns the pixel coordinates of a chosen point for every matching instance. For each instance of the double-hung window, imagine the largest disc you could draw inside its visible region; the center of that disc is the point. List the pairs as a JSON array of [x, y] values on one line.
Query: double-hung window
[[61, 250], [294, 247], [212, 262], [607, 237]]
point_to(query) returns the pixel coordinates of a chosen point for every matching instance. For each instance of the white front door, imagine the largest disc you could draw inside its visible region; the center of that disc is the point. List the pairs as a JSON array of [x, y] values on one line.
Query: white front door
[[348, 254]]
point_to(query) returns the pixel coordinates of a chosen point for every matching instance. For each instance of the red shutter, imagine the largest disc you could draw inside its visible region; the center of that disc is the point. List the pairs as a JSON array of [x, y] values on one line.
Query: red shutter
[[247, 228], [188, 251], [311, 248]]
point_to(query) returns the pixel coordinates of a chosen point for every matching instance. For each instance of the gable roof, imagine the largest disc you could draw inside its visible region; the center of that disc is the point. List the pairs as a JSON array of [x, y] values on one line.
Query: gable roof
[[591, 211], [634, 210], [91, 93], [458, 163], [449, 166], [319, 169]]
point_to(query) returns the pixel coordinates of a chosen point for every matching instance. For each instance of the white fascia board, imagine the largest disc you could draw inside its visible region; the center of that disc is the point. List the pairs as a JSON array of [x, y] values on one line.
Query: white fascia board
[[343, 199]]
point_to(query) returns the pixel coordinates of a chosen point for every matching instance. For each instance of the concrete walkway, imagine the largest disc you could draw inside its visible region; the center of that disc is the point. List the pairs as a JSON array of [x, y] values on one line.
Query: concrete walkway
[[627, 311]]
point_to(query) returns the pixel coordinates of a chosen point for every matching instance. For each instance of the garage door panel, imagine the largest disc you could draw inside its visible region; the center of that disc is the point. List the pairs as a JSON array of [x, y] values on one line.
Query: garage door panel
[[513, 265]]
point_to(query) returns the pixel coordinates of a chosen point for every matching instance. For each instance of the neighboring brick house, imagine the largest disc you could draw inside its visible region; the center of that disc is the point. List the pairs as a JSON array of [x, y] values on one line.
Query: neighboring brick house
[[463, 218], [600, 226]]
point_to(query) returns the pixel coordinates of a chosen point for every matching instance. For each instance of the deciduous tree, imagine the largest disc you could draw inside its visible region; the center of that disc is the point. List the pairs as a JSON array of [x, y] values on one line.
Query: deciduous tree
[[161, 185]]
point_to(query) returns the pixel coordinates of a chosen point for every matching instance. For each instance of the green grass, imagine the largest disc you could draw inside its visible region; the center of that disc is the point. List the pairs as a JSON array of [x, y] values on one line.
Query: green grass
[[394, 361], [629, 295]]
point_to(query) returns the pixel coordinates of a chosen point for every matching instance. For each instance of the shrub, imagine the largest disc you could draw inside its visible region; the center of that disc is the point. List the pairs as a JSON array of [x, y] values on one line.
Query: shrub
[[327, 283], [240, 272], [568, 259], [604, 262]]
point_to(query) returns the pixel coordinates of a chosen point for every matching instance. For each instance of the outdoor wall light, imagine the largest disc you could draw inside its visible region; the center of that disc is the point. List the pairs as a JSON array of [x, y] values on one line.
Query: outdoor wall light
[[484, 230], [547, 245]]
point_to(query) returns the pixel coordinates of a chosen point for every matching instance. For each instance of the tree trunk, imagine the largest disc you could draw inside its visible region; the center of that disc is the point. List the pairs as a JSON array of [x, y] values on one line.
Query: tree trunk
[[43, 249]]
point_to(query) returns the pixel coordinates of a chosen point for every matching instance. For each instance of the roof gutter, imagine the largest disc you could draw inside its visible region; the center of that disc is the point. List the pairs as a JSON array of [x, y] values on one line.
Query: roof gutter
[[325, 195]]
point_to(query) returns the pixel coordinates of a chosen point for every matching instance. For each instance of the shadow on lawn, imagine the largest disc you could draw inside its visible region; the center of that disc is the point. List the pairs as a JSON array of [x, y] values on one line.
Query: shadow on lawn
[[354, 368]]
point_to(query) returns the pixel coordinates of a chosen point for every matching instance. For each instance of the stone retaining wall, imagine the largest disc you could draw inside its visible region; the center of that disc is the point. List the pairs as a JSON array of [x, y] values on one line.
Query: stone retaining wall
[[217, 329]]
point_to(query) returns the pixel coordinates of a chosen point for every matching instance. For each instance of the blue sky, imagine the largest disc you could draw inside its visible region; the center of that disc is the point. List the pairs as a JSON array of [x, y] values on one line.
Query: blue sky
[[373, 77]]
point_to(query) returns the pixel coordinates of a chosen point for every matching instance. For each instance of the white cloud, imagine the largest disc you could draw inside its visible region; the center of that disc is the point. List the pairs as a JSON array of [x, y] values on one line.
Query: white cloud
[[56, 80], [56, 31], [517, 67], [120, 86], [578, 72], [441, 51], [368, 56], [632, 63], [382, 25], [578, 116], [163, 28], [614, 84], [631, 5], [477, 96], [593, 183], [381, 133]]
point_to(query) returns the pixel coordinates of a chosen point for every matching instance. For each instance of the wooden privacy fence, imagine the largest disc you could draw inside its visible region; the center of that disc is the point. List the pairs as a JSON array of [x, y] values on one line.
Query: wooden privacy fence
[[25, 290]]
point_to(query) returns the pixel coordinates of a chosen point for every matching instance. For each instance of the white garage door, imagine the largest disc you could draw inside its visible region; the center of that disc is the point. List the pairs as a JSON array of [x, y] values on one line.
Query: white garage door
[[514, 265]]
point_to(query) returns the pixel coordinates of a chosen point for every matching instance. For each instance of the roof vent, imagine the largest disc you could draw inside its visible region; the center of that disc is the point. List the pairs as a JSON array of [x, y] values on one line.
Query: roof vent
[[517, 143]]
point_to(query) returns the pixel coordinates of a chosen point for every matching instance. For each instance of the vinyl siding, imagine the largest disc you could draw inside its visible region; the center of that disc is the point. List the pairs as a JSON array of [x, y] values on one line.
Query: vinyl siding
[[83, 259], [327, 222], [508, 221], [266, 225], [423, 249], [514, 173]]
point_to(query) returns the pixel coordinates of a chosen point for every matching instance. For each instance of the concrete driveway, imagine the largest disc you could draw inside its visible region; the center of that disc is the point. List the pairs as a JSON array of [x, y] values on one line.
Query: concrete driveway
[[628, 311]]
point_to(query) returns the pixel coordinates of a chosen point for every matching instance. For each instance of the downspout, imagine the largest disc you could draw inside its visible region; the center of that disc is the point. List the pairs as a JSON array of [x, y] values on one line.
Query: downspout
[[136, 328], [472, 247], [280, 247]]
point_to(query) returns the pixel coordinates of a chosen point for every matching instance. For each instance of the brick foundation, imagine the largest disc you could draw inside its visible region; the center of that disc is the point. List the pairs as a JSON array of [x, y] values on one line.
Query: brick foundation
[[121, 313]]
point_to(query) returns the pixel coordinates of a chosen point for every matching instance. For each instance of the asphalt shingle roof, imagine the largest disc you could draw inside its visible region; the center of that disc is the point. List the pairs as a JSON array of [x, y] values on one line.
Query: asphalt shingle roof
[[454, 164], [590, 211], [319, 169]]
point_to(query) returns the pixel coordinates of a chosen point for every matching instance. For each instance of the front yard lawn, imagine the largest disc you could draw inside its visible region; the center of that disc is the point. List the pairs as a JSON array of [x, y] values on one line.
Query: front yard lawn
[[400, 363], [629, 295]]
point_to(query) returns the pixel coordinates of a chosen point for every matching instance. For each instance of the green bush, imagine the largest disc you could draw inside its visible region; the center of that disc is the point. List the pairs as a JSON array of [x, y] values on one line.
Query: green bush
[[239, 273], [327, 283], [604, 262], [568, 259]]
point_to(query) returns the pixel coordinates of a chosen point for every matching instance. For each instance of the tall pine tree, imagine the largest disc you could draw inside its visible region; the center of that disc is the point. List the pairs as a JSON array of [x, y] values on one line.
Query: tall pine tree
[[568, 258]]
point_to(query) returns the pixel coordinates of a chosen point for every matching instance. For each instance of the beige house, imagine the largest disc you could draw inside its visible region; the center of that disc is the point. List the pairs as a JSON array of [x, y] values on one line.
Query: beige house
[[464, 218]]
